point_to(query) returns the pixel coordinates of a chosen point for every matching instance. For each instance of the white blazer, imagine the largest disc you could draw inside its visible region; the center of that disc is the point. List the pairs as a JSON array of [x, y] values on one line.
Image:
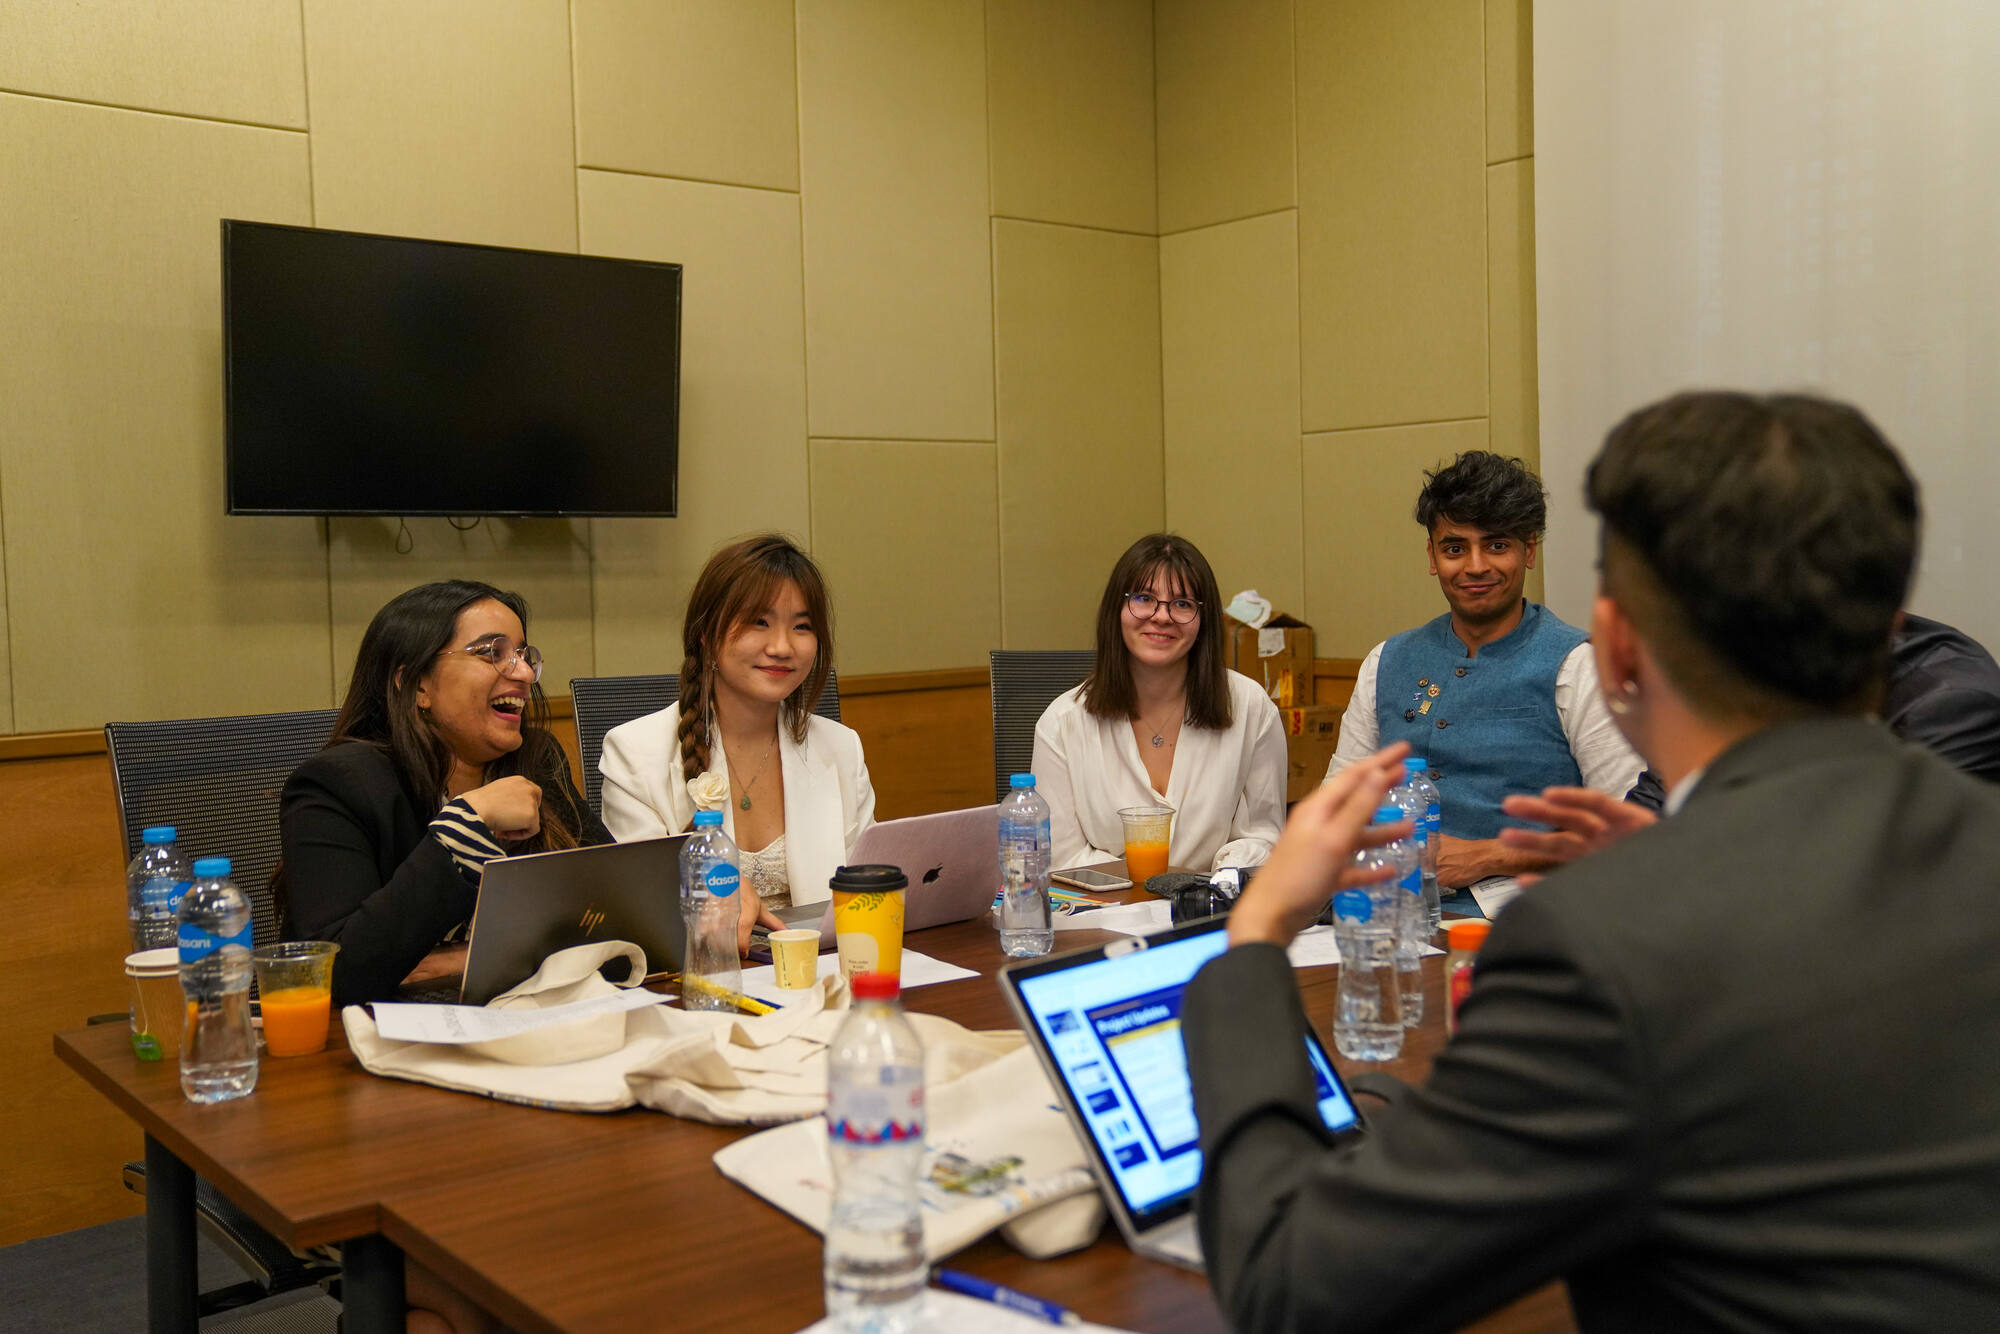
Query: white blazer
[[1227, 788], [828, 798]]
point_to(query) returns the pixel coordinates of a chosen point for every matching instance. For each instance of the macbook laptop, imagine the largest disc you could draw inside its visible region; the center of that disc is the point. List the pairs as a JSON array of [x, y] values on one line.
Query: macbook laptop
[[1106, 1022], [952, 860], [530, 907]]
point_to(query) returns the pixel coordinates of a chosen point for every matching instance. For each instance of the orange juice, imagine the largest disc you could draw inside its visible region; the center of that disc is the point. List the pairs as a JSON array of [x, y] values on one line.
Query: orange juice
[[1144, 860], [295, 1020]]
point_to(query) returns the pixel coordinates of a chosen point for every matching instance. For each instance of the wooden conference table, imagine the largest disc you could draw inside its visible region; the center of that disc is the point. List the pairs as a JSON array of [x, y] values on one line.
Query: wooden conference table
[[559, 1221]]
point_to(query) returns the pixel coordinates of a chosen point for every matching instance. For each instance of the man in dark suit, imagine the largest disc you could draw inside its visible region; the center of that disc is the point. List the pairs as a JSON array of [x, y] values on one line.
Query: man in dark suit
[[1765, 1100]]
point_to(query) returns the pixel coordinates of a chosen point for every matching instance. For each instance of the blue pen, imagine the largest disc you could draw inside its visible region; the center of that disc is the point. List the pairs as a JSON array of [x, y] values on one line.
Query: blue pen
[[1000, 1295]]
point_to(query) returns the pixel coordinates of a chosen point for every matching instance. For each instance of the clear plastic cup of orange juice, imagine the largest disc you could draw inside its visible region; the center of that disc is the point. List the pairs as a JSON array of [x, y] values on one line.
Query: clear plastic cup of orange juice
[[295, 989], [1147, 830]]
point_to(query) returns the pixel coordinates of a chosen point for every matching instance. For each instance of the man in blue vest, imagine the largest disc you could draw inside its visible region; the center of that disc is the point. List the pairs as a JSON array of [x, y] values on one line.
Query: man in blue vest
[[1498, 694]]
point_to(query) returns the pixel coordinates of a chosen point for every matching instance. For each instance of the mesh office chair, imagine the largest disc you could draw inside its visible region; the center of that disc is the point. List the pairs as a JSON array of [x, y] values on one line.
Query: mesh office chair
[[1025, 683], [217, 781], [605, 702]]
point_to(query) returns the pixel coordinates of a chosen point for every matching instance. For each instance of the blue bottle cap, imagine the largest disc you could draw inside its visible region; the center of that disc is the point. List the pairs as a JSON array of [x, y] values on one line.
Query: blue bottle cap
[[1351, 905], [157, 834], [1388, 813], [1021, 780], [708, 819], [1415, 764], [211, 868]]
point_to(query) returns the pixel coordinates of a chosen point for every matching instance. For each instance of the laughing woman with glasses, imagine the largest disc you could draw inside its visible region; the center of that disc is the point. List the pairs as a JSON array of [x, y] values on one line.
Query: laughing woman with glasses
[[1160, 721], [440, 760]]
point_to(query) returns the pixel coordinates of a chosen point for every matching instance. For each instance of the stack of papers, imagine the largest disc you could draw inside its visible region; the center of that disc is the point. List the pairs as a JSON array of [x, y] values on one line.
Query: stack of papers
[[919, 970]]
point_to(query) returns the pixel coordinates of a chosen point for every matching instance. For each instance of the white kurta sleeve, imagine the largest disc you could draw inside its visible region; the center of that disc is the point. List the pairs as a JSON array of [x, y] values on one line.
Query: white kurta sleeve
[[1360, 735], [1603, 756]]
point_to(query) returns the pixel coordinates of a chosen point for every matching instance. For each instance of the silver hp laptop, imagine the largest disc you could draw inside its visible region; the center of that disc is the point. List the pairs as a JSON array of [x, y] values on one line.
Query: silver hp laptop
[[952, 860], [530, 907], [1106, 1022]]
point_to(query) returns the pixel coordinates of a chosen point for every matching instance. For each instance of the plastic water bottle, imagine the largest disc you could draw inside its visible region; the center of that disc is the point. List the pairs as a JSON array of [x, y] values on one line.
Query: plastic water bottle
[[1367, 1015], [1417, 783], [154, 885], [1026, 928], [1411, 932], [875, 1269], [711, 969], [218, 1045]]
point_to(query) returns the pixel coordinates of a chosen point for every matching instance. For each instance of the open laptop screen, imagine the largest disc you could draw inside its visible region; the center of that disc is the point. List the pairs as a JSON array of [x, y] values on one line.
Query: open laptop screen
[[1110, 1025]]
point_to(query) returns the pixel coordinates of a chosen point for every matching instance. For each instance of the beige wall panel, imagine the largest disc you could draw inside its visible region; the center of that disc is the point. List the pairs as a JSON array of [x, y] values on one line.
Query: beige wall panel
[[743, 396], [908, 534], [546, 561], [447, 119], [705, 89], [899, 303], [1229, 335], [130, 594], [6, 662], [1367, 573], [1071, 96], [1226, 121], [1510, 79], [1392, 211], [1078, 355], [224, 59], [1510, 311]]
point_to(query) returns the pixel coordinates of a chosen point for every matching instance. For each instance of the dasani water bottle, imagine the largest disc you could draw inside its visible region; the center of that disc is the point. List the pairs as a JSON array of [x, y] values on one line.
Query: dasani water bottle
[[874, 1266], [711, 969], [1424, 806], [218, 1044], [154, 885], [1025, 925]]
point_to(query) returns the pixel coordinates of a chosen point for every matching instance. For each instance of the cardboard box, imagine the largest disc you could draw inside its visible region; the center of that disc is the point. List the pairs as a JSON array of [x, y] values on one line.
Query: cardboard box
[[1278, 657], [1311, 735]]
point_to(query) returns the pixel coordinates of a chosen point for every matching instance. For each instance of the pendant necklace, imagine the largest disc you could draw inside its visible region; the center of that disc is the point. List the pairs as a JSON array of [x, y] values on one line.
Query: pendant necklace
[[1159, 733], [744, 803]]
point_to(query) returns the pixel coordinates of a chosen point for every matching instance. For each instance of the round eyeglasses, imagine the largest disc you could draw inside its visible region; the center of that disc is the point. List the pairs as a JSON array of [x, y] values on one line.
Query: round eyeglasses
[[497, 654], [1180, 611]]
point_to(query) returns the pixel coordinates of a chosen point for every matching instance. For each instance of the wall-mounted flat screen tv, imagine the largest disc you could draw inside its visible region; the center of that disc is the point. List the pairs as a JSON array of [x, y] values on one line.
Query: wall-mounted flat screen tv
[[383, 375]]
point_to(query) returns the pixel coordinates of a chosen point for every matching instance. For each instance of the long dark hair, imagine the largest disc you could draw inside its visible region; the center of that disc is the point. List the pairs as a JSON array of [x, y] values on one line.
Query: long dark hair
[[738, 582], [1108, 690]]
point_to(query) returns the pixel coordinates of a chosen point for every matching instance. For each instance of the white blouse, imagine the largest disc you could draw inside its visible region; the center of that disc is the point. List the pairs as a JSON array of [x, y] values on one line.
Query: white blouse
[[1227, 787]]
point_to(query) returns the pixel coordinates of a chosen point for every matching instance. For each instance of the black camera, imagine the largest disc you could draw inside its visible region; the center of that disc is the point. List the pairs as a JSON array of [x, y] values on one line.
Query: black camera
[[1193, 897]]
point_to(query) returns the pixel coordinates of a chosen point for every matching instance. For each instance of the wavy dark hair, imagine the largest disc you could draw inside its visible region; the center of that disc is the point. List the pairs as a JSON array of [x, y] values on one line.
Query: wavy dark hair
[[1108, 690], [1762, 543], [739, 581], [1487, 492]]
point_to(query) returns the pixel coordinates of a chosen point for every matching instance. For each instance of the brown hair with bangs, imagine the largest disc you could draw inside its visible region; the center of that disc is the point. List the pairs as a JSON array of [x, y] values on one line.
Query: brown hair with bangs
[[738, 582], [1108, 690]]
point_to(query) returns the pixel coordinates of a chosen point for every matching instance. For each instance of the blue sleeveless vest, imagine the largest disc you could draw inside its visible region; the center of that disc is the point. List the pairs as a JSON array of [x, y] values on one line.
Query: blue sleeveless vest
[[1487, 725]]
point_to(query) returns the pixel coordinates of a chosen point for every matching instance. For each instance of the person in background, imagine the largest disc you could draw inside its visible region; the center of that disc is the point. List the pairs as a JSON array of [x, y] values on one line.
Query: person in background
[[792, 786], [1160, 720], [1498, 694], [1733, 1071], [440, 759]]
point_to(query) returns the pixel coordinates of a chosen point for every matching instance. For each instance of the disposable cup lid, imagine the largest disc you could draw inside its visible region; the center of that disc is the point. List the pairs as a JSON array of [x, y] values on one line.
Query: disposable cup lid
[[153, 963], [868, 879]]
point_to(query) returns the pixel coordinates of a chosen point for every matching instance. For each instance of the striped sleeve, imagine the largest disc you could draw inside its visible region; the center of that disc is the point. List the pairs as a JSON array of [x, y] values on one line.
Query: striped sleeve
[[465, 837]]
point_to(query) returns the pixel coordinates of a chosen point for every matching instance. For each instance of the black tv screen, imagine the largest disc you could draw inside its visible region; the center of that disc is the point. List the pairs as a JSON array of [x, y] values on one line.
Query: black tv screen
[[383, 375]]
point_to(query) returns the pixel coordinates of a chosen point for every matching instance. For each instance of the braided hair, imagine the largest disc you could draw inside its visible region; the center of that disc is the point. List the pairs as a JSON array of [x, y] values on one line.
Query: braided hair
[[739, 581]]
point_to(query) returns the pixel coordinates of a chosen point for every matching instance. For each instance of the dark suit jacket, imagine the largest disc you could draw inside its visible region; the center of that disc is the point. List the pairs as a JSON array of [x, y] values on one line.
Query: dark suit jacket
[[360, 868], [1737, 1072]]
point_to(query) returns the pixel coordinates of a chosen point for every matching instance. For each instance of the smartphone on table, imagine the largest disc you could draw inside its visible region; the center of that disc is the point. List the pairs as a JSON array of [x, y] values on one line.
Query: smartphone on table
[[1088, 880]]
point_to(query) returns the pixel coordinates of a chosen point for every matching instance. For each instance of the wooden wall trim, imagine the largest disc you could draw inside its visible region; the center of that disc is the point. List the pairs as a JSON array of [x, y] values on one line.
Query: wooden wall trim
[[897, 683]]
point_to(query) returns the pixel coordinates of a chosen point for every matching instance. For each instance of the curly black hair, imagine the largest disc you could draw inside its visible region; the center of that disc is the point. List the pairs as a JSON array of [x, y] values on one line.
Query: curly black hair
[[1486, 491]]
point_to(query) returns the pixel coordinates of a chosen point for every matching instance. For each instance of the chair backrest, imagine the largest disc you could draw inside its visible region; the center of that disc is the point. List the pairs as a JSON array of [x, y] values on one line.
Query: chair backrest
[[217, 781], [604, 702], [1025, 683]]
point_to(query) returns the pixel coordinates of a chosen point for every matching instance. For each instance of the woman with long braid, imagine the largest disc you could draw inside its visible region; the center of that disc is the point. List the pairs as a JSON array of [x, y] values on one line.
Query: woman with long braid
[[743, 738]]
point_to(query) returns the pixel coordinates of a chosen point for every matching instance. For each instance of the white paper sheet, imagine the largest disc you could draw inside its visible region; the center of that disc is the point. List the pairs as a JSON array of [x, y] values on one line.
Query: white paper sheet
[[919, 970], [1315, 946], [966, 1315], [1127, 919], [1494, 893], [459, 1024]]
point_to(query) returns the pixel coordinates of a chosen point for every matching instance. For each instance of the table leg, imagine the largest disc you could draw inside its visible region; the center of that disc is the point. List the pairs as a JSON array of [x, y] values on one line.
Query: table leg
[[171, 1280], [371, 1286]]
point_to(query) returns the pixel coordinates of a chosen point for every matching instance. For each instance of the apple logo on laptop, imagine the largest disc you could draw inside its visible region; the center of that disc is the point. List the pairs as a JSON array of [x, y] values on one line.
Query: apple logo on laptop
[[930, 876]]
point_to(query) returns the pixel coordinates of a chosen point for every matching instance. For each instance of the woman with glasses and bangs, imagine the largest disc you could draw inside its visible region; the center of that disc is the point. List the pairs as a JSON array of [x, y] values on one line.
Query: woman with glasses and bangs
[[1160, 721], [440, 760]]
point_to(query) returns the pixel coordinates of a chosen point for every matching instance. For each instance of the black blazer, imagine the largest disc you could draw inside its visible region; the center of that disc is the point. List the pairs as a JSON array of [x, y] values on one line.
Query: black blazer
[[360, 868], [1737, 1072]]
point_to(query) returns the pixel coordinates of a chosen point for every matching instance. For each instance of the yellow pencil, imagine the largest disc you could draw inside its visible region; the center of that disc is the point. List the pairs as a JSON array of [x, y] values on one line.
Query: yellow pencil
[[749, 1004]]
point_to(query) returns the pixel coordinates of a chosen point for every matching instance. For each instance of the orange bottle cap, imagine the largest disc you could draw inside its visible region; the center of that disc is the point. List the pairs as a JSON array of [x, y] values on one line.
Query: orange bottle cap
[[1467, 936]]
